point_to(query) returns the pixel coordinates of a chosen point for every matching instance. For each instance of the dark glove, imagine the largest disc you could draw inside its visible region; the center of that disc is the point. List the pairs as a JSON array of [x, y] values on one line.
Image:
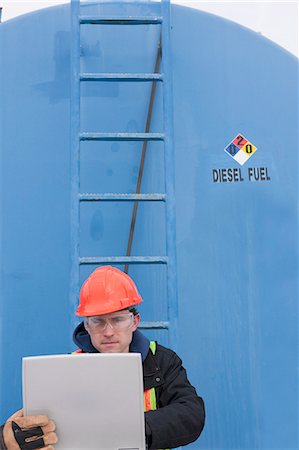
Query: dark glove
[[29, 432]]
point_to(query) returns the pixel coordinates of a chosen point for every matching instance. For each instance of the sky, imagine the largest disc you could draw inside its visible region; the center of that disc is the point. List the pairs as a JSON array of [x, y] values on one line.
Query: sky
[[276, 20]]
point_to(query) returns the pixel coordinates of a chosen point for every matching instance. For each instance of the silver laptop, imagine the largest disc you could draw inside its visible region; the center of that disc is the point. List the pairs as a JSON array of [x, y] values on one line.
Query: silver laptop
[[96, 400]]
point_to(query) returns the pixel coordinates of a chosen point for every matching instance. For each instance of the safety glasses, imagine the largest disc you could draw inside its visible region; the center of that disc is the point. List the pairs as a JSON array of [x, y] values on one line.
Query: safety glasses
[[118, 322]]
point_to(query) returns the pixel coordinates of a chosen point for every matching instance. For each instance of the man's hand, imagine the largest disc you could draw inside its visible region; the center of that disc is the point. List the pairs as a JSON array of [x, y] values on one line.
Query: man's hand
[[29, 432]]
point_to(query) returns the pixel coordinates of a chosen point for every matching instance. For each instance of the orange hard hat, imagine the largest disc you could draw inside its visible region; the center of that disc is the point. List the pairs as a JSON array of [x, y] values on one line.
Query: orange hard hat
[[106, 290]]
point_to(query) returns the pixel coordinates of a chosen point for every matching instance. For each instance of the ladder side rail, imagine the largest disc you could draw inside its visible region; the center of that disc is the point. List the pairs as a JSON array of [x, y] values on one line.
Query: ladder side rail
[[74, 156], [172, 296]]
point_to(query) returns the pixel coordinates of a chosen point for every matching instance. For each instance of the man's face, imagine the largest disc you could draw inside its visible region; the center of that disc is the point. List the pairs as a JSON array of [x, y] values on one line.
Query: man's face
[[112, 333]]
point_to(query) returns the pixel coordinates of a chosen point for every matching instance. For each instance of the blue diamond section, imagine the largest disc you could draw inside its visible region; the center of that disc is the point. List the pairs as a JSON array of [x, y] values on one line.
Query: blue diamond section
[[232, 149]]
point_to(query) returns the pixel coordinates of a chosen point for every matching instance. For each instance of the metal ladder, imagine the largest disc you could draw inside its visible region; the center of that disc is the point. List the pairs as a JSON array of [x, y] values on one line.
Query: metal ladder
[[77, 136]]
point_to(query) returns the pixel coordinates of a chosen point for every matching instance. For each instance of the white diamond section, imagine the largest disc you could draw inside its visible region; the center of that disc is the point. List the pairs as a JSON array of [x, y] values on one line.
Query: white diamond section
[[241, 157]]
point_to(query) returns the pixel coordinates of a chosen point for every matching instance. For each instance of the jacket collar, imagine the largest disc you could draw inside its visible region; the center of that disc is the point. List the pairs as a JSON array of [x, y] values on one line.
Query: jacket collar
[[152, 375]]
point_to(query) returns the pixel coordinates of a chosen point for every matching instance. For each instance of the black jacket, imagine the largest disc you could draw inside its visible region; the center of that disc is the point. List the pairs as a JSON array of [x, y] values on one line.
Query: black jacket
[[180, 416], [2, 445]]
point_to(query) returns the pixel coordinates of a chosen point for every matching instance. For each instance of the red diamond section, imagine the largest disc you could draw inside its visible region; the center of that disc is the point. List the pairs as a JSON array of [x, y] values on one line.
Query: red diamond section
[[240, 141]]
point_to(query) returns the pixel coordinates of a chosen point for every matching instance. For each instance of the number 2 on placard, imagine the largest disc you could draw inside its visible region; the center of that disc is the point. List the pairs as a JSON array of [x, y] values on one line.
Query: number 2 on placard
[[240, 139]]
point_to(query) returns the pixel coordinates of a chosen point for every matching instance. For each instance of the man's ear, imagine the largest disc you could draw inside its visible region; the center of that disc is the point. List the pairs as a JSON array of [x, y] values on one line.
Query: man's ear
[[136, 321], [86, 325]]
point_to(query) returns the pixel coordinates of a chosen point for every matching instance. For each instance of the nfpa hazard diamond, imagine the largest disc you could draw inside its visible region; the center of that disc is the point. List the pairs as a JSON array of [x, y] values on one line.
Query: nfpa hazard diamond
[[240, 149]]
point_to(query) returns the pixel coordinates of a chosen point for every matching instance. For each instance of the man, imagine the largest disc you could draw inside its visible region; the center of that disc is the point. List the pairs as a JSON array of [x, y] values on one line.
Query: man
[[174, 413]]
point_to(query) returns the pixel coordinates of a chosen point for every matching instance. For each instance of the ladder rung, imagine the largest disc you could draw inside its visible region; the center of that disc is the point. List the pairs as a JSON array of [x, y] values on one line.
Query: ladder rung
[[154, 325], [124, 259], [121, 77], [121, 136], [129, 20], [121, 197]]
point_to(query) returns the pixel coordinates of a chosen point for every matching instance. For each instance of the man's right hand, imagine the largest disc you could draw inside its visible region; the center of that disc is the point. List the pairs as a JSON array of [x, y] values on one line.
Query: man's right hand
[[29, 432]]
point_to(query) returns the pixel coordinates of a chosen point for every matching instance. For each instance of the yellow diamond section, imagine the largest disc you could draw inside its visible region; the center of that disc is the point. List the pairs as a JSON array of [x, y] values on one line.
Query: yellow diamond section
[[249, 149]]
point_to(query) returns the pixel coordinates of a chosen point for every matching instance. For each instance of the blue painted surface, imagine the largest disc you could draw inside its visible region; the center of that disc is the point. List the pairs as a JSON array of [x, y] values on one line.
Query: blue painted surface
[[236, 242], [75, 94]]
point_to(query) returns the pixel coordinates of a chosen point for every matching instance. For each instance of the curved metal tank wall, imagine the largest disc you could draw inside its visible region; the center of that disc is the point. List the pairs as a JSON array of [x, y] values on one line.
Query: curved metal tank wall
[[236, 235]]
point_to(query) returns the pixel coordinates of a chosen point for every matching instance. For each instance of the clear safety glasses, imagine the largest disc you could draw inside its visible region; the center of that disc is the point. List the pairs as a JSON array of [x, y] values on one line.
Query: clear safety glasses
[[118, 322]]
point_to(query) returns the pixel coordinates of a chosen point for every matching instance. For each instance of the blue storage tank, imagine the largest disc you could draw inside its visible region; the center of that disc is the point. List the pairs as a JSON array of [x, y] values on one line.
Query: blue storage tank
[[236, 143]]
